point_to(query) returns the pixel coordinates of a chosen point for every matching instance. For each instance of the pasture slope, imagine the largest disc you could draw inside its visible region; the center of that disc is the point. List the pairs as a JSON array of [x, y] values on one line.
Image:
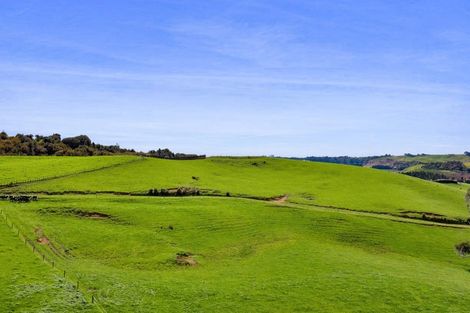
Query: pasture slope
[[335, 245], [304, 182], [28, 285], [21, 169]]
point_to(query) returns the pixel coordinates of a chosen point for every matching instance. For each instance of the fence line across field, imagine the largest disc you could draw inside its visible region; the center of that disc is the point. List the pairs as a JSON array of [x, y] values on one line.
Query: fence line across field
[[50, 261]]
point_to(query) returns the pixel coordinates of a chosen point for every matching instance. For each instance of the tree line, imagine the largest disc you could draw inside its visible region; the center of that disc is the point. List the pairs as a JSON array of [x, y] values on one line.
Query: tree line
[[81, 145], [358, 161]]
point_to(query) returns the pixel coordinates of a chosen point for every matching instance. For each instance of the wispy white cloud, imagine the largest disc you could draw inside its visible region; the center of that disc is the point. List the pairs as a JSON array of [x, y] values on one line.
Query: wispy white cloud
[[297, 77], [210, 81]]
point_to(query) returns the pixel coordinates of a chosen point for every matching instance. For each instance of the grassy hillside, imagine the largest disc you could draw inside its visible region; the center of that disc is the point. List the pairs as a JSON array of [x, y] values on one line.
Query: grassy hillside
[[22, 169], [304, 182], [434, 158], [313, 253], [28, 285], [251, 256], [430, 167]]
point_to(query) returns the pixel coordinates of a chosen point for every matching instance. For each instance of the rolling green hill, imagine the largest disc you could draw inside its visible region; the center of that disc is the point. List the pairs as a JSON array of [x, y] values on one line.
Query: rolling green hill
[[24, 169], [452, 167], [427, 158], [304, 182], [339, 243]]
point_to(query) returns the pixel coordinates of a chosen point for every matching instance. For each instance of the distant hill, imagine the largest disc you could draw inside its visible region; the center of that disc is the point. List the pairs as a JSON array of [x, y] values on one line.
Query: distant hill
[[358, 161], [442, 168]]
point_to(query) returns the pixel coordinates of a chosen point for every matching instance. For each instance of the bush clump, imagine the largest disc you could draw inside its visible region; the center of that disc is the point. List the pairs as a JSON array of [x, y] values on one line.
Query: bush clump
[[174, 192], [19, 198], [463, 248]]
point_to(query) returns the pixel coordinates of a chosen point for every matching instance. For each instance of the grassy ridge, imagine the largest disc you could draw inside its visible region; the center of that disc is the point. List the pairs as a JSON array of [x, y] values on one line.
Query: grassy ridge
[[434, 158], [305, 182], [22, 169], [252, 256]]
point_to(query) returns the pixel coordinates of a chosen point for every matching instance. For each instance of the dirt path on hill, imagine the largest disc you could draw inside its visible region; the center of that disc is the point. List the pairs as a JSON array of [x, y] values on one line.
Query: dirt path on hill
[[281, 199]]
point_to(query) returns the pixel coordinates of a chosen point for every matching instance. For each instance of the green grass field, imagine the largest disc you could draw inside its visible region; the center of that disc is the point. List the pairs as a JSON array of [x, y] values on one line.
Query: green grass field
[[317, 252], [304, 182], [28, 285], [23, 169]]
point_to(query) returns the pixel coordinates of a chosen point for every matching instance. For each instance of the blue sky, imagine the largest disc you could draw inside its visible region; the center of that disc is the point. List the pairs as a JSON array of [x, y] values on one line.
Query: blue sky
[[290, 78]]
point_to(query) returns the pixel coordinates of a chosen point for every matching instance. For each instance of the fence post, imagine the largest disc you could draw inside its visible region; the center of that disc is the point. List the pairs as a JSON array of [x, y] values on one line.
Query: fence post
[[27, 241]]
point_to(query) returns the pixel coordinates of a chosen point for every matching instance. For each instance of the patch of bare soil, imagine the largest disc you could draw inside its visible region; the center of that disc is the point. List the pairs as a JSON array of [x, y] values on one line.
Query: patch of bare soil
[[95, 215], [40, 237], [75, 212], [185, 259], [280, 199], [43, 240]]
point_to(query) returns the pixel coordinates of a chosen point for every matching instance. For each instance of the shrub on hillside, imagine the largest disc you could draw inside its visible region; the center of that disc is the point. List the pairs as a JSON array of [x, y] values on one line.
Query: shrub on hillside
[[178, 192], [445, 166], [426, 175], [382, 167], [77, 141], [463, 248]]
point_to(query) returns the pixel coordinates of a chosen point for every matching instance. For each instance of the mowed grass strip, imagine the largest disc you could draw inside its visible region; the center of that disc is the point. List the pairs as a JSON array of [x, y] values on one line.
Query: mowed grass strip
[[17, 169], [250, 256], [304, 182]]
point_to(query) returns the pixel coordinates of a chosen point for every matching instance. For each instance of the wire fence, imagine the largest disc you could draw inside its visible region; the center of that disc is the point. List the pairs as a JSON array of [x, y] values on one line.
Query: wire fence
[[52, 262], [39, 179]]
